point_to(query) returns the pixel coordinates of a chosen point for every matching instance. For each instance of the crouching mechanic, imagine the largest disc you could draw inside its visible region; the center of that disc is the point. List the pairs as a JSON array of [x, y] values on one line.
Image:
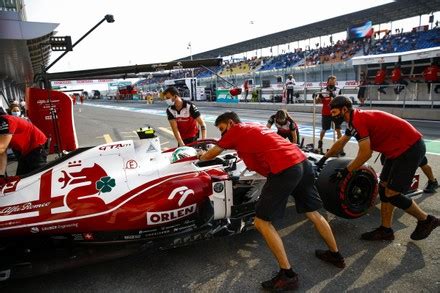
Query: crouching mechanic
[[27, 142], [285, 125], [184, 118], [404, 151], [288, 172]]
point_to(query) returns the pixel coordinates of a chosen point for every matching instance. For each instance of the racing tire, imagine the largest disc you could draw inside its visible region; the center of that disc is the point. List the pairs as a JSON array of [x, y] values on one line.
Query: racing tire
[[352, 196]]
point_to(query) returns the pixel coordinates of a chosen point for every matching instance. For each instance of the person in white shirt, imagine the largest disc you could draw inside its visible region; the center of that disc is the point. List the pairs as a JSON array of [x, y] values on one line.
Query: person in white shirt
[[290, 82]]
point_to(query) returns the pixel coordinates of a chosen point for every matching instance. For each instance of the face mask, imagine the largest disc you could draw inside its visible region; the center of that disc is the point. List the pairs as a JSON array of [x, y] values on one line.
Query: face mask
[[338, 119], [17, 114], [169, 102]]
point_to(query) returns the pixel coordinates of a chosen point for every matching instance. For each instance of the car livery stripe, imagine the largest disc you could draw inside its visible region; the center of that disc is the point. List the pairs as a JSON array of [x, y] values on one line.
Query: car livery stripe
[[135, 193]]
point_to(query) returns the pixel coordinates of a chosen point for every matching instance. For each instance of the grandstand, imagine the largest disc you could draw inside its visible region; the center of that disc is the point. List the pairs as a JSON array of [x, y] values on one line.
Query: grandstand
[[311, 66]]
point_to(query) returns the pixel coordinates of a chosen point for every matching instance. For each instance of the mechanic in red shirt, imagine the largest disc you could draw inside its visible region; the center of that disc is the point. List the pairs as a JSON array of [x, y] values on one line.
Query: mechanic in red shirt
[[325, 98], [246, 89], [404, 150], [379, 79], [288, 173], [184, 118], [27, 142], [396, 78], [285, 125], [430, 74]]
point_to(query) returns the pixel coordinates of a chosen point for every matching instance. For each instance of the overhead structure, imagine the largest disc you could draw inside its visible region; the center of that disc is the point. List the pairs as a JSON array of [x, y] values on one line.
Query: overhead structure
[[128, 71], [23, 45], [396, 10]]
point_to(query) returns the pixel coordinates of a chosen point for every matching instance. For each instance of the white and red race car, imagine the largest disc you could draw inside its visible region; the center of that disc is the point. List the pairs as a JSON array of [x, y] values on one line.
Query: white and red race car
[[132, 192]]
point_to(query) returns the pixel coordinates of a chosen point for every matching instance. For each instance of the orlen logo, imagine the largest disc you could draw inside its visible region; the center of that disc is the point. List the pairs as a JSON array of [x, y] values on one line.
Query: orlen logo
[[155, 218], [183, 192]]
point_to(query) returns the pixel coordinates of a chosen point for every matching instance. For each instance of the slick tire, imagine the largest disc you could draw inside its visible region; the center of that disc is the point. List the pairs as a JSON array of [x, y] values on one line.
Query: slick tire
[[350, 197]]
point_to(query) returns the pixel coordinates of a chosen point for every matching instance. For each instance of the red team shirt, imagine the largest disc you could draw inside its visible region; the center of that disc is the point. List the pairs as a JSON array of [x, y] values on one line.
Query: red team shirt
[[380, 76], [261, 149], [431, 73], [389, 135], [185, 118], [25, 136], [396, 75]]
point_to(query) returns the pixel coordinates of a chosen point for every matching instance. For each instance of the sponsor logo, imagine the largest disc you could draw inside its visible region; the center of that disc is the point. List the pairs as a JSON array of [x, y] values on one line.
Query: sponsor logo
[[88, 236], [59, 227], [151, 148], [114, 146], [105, 184], [35, 230], [183, 192], [155, 218], [415, 182], [131, 164], [23, 207], [132, 237]]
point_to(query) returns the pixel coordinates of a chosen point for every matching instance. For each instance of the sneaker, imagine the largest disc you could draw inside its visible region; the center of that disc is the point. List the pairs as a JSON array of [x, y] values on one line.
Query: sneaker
[[431, 186], [281, 282], [424, 228], [380, 233], [335, 259]]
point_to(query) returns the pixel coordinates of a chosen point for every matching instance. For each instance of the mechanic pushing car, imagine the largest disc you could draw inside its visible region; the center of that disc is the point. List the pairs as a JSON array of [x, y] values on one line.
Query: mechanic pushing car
[[184, 118], [27, 142], [288, 172], [285, 125], [404, 151]]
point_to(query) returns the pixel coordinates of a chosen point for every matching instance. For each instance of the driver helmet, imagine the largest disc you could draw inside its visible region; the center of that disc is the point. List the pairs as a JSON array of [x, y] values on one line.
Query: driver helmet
[[183, 152]]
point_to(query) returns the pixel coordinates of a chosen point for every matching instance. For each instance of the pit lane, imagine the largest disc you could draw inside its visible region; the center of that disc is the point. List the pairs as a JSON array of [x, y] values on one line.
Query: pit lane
[[239, 263]]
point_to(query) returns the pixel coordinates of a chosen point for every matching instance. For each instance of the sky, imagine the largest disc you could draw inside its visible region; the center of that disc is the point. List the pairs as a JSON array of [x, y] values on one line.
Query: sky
[[159, 31]]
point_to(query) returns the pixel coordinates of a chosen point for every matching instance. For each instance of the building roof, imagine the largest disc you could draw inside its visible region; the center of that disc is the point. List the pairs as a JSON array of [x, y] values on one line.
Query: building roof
[[23, 47], [396, 10]]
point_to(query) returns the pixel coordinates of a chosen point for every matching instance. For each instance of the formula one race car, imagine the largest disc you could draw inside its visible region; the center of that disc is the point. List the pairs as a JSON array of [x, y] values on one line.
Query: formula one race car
[[131, 195]]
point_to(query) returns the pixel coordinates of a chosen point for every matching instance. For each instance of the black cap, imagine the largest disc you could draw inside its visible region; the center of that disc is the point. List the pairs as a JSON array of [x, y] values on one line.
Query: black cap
[[341, 101]]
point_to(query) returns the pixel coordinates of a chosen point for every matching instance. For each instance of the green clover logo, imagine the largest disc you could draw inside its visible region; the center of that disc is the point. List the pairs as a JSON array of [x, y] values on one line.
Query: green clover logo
[[105, 184]]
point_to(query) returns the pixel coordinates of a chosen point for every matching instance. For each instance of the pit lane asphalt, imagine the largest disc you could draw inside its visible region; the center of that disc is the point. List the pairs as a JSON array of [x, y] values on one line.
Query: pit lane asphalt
[[239, 263]]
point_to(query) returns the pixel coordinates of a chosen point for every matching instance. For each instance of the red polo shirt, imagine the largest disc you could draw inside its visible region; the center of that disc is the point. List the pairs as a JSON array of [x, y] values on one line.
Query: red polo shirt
[[185, 118], [431, 73], [396, 75], [389, 134], [25, 136], [261, 149], [380, 76]]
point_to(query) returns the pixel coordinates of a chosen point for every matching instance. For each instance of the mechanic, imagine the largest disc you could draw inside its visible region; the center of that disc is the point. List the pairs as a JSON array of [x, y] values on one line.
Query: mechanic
[[325, 98], [27, 142], [432, 184], [183, 117], [288, 172], [285, 125], [404, 150]]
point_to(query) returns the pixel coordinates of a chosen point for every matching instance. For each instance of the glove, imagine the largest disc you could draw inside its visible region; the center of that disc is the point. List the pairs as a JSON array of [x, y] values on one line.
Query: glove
[[321, 162], [339, 175]]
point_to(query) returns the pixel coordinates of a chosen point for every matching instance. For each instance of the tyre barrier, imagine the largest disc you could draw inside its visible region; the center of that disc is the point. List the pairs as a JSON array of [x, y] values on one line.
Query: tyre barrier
[[352, 196]]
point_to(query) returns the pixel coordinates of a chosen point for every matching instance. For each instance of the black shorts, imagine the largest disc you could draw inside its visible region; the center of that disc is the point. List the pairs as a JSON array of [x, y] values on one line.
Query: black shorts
[[191, 139], [327, 123], [399, 172], [36, 159], [297, 181]]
